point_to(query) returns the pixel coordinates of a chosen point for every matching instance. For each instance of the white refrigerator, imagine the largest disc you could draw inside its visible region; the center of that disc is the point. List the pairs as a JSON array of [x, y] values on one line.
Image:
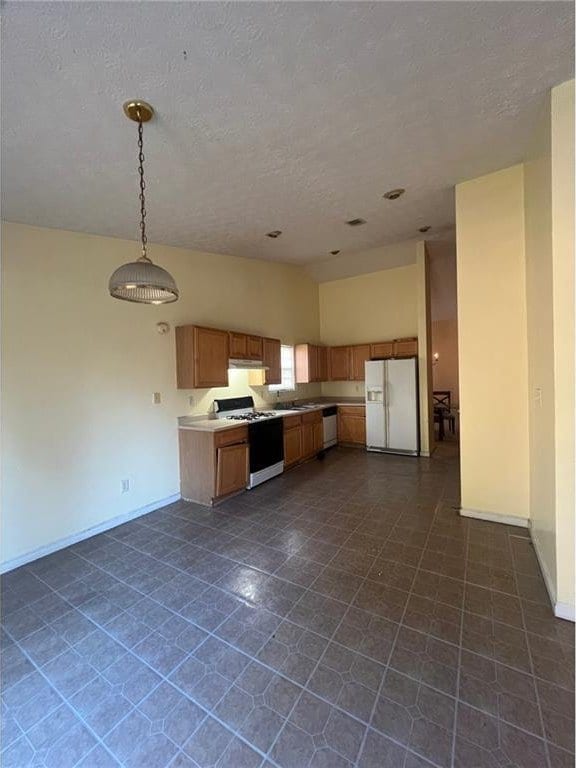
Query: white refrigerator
[[392, 414]]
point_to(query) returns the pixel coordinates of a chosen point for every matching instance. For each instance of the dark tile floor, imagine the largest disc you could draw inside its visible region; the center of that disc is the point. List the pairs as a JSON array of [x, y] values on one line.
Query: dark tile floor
[[341, 615]]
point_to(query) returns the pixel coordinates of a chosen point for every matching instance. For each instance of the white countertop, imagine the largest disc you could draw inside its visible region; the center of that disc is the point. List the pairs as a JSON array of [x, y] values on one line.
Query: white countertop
[[215, 425]]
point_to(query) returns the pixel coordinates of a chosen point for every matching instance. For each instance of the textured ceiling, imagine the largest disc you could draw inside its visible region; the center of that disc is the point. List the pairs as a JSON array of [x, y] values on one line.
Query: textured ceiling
[[294, 116]]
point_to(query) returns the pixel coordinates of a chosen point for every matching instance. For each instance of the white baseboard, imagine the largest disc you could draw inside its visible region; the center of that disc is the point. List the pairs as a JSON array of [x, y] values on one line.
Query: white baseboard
[[564, 611], [495, 517], [67, 541], [550, 588], [561, 610]]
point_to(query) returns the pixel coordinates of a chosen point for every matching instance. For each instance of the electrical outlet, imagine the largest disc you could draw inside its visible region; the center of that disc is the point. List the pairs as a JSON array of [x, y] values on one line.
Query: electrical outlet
[[126, 485], [156, 398], [191, 400]]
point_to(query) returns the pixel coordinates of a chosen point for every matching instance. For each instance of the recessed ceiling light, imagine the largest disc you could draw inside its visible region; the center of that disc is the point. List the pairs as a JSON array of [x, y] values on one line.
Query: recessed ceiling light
[[394, 194], [424, 229], [355, 222], [274, 234], [334, 253]]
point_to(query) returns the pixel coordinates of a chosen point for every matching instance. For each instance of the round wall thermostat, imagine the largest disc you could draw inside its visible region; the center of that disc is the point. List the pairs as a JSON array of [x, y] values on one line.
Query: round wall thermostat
[[162, 328]]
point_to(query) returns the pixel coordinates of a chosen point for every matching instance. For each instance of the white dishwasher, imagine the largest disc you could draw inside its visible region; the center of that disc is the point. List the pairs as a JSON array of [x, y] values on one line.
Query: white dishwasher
[[330, 425]]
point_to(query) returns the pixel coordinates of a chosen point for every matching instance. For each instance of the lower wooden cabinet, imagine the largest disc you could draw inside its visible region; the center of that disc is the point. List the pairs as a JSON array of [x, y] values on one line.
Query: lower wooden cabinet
[[352, 424], [311, 433], [213, 464], [231, 468], [292, 445], [303, 437]]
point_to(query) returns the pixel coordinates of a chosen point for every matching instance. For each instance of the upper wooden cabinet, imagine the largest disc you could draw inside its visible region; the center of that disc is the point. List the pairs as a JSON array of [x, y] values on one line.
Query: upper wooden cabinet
[[202, 356], [322, 363], [245, 347], [311, 363], [358, 356], [339, 363], [272, 373], [254, 348], [382, 349], [238, 346], [271, 359], [405, 347]]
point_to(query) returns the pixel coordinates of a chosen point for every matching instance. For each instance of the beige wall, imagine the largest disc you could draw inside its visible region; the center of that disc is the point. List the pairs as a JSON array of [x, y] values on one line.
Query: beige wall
[[369, 307], [538, 243], [492, 344], [562, 140], [79, 370]]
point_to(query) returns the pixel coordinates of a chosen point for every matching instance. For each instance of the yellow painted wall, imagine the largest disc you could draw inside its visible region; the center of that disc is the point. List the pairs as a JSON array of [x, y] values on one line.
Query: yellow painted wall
[[492, 343], [562, 140], [540, 336], [369, 307], [79, 369]]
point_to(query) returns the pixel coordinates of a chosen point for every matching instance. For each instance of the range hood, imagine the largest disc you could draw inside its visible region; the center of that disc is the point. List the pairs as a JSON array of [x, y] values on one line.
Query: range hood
[[247, 365]]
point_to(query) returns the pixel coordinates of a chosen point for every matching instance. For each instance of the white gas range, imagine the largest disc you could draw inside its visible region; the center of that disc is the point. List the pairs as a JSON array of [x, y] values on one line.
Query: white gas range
[[265, 436]]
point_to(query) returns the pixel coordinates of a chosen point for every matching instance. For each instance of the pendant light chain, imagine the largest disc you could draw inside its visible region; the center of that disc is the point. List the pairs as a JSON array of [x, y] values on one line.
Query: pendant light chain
[[140, 281], [142, 187]]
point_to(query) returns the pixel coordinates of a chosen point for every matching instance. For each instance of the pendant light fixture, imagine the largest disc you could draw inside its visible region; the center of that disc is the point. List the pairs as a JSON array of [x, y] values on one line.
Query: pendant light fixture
[[142, 281]]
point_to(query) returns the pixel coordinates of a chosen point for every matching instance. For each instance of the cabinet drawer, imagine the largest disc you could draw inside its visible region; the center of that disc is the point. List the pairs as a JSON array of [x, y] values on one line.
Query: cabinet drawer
[[292, 421], [312, 418], [230, 436], [352, 410]]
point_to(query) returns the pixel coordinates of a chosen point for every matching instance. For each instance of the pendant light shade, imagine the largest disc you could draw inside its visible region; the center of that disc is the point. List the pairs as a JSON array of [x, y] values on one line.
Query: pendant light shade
[[141, 281]]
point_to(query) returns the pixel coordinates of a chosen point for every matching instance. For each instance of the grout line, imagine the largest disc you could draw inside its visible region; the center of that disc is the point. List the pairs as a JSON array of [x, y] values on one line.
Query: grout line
[[459, 668], [535, 683]]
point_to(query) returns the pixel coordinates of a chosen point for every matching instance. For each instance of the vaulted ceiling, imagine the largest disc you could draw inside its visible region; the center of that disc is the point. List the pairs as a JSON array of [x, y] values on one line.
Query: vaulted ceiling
[[292, 116]]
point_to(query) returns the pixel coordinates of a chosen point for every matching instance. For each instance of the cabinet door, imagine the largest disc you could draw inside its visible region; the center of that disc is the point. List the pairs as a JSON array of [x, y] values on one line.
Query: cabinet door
[[238, 346], [359, 354], [271, 359], [313, 362], [292, 446], [185, 357], [322, 363], [339, 363], [231, 469], [302, 360], [254, 348], [318, 436], [211, 354], [351, 429], [382, 350], [405, 347], [308, 440]]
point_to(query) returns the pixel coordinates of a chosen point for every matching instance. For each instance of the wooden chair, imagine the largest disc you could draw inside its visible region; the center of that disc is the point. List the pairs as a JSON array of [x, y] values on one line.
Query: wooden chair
[[442, 401]]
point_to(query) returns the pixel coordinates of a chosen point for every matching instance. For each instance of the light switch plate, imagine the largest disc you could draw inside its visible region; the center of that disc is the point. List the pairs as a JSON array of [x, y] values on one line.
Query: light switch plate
[[156, 398]]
